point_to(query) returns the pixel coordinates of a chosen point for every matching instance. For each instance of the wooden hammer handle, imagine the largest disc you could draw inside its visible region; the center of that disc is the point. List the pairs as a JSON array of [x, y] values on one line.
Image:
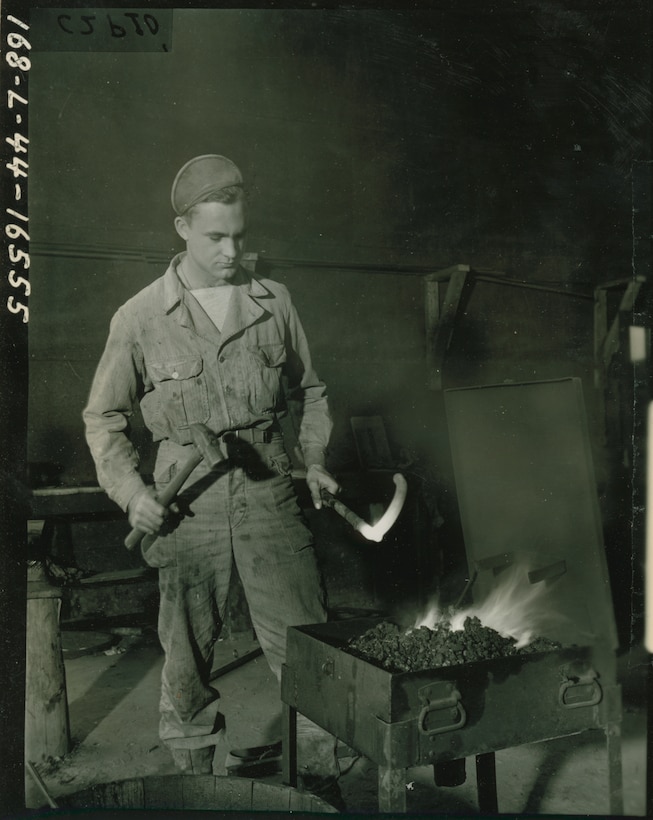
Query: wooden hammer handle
[[167, 495]]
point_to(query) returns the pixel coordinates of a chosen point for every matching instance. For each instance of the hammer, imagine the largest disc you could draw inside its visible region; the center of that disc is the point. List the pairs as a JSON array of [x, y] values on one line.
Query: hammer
[[206, 448]]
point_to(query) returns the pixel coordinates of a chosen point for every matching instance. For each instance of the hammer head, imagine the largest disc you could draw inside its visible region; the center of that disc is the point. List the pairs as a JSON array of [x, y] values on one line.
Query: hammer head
[[207, 443]]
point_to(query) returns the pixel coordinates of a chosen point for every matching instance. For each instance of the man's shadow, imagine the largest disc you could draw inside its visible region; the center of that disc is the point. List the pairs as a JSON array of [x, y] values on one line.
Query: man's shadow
[[239, 454]]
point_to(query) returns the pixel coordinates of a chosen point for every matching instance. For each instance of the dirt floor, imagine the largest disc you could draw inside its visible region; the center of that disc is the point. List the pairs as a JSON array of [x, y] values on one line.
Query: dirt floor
[[113, 713]]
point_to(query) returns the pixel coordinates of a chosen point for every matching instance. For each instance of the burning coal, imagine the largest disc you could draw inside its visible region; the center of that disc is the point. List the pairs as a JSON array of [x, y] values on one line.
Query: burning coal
[[504, 624], [389, 646]]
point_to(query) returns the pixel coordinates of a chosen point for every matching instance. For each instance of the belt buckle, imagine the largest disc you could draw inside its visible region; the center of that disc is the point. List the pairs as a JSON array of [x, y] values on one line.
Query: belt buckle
[[250, 434]]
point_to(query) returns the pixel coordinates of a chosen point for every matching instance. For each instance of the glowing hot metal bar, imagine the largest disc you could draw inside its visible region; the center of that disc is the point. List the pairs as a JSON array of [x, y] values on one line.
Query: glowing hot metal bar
[[372, 532]]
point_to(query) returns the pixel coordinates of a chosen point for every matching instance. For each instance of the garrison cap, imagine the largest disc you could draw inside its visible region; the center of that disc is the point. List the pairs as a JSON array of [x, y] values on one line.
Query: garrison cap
[[201, 176]]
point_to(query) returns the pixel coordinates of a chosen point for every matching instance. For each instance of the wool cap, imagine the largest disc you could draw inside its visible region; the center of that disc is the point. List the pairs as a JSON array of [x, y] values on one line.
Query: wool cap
[[201, 176]]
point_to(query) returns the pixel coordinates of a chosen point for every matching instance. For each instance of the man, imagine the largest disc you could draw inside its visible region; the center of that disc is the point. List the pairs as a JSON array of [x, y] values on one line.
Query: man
[[210, 343]]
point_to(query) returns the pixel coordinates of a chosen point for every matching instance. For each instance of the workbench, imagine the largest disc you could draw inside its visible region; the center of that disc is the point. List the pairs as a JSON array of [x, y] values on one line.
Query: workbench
[[84, 530]]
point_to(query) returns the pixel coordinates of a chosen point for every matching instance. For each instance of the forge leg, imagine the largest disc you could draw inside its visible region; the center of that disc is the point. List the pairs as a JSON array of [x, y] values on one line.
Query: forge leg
[[289, 746], [615, 776], [392, 790], [486, 783]]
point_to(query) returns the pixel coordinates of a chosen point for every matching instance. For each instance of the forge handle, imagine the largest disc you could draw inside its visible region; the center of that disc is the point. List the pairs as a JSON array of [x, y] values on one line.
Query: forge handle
[[448, 711]]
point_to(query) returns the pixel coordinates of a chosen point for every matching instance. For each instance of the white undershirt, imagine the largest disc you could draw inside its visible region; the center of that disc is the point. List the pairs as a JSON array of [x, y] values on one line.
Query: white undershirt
[[215, 302]]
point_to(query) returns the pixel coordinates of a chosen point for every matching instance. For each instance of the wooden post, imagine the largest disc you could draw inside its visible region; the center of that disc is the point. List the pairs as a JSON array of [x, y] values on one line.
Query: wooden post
[[440, 321], [47, 728], [607, 345]]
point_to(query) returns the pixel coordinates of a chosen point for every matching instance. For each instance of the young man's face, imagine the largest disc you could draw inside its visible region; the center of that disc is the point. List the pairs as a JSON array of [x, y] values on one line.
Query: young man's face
[[215, 241]]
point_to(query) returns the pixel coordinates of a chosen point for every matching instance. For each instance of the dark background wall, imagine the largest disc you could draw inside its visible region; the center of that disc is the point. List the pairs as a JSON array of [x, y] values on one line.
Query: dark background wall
[[501, 136]]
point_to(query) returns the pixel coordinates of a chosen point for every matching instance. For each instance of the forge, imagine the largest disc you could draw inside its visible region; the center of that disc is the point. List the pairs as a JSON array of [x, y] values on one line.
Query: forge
[[537, 578]]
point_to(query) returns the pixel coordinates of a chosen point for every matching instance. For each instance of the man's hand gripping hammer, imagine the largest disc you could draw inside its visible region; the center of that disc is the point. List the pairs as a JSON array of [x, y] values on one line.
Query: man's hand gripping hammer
[[206, 448]]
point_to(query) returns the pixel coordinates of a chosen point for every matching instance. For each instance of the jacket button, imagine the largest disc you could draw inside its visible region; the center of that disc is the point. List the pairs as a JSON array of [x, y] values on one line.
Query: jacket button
[[221, 359], [175, 375]]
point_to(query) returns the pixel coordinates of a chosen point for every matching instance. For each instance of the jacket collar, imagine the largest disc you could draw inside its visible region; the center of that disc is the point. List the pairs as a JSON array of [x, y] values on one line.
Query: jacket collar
[[244, 309]]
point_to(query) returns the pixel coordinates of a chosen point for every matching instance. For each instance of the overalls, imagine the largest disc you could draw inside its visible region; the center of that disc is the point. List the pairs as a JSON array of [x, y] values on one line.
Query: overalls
[[164, 351]]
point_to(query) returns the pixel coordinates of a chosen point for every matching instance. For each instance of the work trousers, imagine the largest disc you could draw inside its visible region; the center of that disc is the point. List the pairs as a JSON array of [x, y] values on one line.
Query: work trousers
[[244, 509]]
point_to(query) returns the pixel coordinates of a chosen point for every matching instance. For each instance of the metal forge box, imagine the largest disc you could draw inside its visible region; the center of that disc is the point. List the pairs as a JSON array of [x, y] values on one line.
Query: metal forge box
[[529, 510]]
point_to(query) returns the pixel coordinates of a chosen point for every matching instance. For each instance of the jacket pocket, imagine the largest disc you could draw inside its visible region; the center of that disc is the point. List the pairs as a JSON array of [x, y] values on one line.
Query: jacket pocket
[[272, 354], [182, 390], [264, 367], [281, 464], [164, 471]]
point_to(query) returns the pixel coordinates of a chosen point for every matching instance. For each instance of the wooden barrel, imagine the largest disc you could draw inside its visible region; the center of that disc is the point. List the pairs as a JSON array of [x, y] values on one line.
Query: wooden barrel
[[47, 727], [202, 792]]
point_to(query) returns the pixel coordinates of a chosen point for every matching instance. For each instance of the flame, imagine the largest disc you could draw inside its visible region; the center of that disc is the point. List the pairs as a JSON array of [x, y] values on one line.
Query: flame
[[514, 609]]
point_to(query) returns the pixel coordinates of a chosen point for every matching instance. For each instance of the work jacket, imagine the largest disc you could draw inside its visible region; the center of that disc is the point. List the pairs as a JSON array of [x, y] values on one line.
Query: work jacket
[[164, 352]]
